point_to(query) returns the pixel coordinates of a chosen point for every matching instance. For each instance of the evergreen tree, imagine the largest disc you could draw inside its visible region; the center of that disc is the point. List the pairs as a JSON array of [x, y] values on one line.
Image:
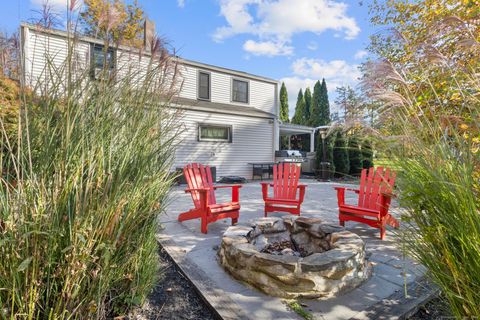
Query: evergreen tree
[[340, 155], [324, 105], [308, 106], [315, 119], [298, 117], [283, 103], [354, 155], [367, 154]]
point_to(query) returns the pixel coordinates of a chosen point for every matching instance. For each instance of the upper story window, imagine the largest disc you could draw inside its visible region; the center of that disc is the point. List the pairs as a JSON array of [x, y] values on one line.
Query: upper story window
[[204, 85], [102, 62], [239, 91]]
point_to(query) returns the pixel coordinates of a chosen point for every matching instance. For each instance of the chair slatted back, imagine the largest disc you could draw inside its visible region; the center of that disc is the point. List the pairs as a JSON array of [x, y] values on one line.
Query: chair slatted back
[[199, 176], [285, 180], [374, 182]]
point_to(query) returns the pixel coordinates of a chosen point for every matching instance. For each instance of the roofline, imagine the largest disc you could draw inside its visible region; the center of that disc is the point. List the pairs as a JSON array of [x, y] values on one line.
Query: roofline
[[183, 61], [296, 126], [189, 104]]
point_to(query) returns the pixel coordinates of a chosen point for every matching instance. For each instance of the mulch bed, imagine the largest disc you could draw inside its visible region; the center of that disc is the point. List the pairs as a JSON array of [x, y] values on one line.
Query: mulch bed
[[174, 297], [433, 310]]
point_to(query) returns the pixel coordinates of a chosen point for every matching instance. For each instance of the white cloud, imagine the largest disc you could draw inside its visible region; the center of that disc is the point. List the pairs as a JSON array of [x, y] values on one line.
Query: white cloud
[[312, 45], [267, 48], [306, 72], [360, 54], [279, 20], [181, 3]]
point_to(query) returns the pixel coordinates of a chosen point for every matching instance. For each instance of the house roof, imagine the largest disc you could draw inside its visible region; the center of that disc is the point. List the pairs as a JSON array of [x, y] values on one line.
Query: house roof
[[200, 105], [202, 65], [290, 128]]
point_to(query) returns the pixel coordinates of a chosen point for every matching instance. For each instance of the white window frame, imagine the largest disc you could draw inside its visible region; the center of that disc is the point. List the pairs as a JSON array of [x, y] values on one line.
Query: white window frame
[[215, 125], [248, 90]]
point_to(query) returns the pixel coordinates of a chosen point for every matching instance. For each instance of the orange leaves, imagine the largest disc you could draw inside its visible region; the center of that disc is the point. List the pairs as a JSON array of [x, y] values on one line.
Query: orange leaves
[[114, 21]]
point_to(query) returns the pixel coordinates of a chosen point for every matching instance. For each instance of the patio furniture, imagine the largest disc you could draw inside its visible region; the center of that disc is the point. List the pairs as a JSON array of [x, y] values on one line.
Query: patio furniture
[[261, 168], [374, 198], [202, 190], [285, 185]]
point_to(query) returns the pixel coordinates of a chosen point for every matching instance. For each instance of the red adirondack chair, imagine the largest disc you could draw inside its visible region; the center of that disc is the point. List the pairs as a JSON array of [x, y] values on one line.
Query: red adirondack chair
[[285, 185], [374, 198], [200, 186]]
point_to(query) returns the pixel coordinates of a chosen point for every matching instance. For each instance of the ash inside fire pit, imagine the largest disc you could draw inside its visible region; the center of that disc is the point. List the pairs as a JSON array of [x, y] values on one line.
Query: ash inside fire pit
[[294, 257]]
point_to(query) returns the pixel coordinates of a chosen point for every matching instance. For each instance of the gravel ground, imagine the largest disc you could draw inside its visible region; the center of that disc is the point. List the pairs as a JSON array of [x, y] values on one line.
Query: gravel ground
[[174, 297]]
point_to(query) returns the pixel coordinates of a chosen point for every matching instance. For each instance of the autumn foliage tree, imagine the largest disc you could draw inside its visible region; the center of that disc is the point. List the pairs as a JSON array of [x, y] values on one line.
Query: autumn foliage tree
[[114, 21]]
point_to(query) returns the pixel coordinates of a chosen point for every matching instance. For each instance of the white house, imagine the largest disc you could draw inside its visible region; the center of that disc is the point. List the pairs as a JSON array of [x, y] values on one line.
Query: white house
[[230, 117]]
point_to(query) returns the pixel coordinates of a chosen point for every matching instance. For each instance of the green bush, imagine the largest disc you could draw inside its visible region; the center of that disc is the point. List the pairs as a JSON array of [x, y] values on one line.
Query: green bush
[[340, 155], [354, 155], [367, 153], [77, 232]]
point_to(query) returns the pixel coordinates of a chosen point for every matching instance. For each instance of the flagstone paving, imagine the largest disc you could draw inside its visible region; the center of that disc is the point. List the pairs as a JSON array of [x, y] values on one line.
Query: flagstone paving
[[195, 253]]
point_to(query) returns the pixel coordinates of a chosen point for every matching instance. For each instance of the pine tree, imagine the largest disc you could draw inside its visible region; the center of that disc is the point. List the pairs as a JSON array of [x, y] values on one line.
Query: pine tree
[[340, 155], [354, 155], [299, 109], [283, 103], [308, 106], [367, 154], [315, 119], [324, 105]]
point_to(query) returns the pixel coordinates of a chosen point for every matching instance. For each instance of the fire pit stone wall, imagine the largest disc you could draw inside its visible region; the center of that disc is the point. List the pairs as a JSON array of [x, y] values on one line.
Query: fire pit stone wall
[[294, 257]]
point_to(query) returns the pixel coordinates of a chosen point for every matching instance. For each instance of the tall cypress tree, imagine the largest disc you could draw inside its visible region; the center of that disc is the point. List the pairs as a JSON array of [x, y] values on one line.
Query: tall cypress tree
[[299, 109], [283, 103], [324, 105], [367, 153], [315, 112], [354, 155], [308, 106]]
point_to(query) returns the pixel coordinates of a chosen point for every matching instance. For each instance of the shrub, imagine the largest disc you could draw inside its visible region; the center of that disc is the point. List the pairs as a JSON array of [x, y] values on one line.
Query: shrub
[[340, 155], [77, 232], [430, 87], [367, 153], [354, 155]]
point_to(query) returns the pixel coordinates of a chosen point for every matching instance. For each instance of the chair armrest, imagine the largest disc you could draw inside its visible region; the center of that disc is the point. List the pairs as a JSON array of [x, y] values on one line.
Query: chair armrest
[[197, 190], [348, 189], [267, 183], [301, 185], [229, 186]]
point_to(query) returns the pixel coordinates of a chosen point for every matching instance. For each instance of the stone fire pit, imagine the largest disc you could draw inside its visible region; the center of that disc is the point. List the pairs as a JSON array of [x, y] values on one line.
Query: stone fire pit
[[294, 257]]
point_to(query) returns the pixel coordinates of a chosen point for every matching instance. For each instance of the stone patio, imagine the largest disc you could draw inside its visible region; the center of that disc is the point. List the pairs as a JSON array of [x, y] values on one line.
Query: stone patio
[[196, 254]]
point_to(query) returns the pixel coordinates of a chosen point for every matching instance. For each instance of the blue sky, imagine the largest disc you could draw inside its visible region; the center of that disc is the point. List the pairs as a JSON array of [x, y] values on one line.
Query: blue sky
[[296, 41]]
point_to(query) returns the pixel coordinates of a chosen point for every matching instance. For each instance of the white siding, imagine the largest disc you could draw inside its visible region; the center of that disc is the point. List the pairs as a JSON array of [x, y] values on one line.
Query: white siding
[[45, 57], [252, 142], [262, 94]]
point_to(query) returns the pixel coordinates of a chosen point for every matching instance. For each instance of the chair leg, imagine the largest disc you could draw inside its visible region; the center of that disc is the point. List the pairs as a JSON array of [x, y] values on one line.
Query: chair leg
[[234, 221], [204, 227], [342, 223], [382, 232], [265, 211]]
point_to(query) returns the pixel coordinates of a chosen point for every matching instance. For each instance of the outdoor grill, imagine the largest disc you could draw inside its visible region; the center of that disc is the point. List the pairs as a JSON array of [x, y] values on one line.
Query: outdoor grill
[[290, 156]]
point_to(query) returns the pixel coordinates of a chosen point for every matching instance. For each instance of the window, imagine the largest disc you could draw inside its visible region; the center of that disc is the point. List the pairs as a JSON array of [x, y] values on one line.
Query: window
[[214, 132], [239, 91], [102, 62], [203, 85]]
